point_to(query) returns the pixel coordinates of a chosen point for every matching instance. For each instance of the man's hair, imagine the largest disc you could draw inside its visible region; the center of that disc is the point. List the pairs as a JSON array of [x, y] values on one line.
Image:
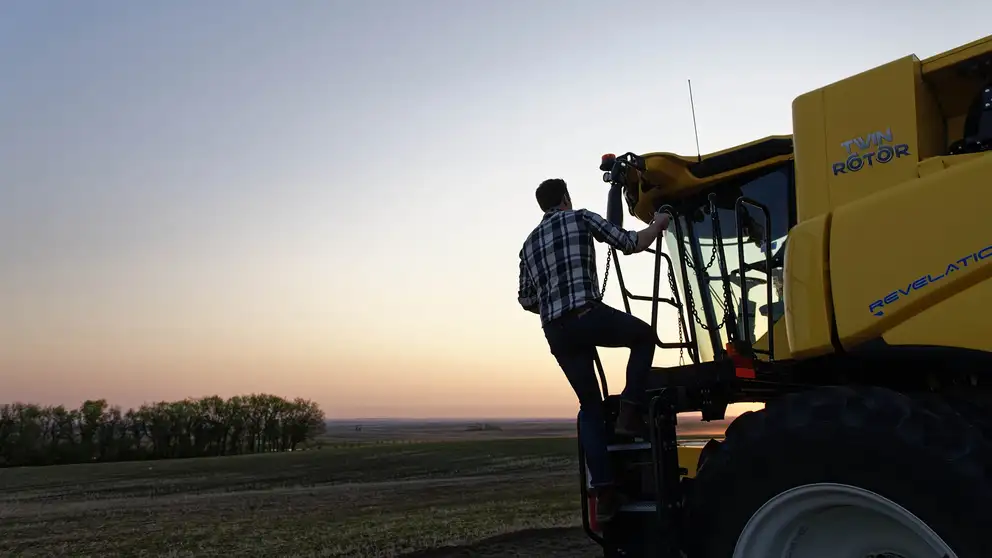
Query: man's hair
[[551, 193]]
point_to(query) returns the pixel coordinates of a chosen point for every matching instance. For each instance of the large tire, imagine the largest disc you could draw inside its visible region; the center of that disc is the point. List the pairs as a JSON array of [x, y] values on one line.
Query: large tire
[[927, 459]]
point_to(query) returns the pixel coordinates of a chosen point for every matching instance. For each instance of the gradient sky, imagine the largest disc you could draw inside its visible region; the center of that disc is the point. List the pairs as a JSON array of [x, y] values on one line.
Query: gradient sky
[[326, 199]]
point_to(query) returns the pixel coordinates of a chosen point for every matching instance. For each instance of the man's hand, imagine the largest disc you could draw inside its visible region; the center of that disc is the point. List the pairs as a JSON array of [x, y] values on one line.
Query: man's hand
[[661, 221], [649, 234]]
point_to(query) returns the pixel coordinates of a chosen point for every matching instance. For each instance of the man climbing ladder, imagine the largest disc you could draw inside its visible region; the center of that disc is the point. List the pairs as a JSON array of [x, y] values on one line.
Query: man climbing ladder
[[558, 281]]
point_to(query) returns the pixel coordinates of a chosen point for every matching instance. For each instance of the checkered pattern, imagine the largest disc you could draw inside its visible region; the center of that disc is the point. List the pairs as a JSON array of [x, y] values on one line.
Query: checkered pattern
[[558, 261]]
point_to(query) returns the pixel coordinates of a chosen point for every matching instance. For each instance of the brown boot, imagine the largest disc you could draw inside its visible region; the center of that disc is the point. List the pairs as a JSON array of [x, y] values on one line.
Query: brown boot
[[608, 502], [630, 422]]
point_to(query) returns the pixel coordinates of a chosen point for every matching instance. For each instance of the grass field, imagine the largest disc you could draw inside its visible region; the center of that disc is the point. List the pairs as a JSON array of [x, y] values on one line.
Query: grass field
[[358, 496], [389, 431]]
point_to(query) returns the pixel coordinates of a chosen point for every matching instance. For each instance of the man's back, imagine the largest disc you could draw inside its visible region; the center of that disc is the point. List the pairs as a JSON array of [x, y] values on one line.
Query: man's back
[[558, 274], [558, 260]]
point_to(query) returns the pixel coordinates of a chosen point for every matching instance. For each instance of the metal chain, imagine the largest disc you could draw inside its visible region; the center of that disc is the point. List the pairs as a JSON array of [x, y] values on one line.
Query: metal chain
[[728, 293], [671, 285], [691, 301], [606, 274], [682, 325], [708, 265]]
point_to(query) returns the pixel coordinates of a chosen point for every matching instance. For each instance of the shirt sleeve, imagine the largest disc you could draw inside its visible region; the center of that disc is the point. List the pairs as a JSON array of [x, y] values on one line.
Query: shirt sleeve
[[605, 231], [526, 291]]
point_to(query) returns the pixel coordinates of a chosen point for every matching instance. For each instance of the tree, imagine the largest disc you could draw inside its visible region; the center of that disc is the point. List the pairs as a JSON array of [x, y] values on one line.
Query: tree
[[211, 426]]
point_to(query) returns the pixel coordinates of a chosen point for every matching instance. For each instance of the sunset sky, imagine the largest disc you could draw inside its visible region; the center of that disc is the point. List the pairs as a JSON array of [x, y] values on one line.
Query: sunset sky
[[326, 198]]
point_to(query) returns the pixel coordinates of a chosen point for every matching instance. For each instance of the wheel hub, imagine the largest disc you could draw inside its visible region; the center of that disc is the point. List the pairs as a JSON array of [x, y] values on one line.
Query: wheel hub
[[827, 520]]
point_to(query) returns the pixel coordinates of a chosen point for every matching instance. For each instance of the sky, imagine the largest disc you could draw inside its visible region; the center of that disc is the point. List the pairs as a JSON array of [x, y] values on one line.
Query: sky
[[326, 199]]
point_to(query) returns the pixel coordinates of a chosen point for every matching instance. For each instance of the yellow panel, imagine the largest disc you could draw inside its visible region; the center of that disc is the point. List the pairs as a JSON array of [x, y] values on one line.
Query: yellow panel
[[810, 146], [688, 458], [939, 164], [807, 288], [905, 249], [931, 128], [782, 350], [954, 88], [960, 321], [872, 133]]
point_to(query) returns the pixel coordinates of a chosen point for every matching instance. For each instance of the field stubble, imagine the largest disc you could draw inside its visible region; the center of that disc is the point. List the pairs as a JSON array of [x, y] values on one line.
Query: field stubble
[[351, 498]]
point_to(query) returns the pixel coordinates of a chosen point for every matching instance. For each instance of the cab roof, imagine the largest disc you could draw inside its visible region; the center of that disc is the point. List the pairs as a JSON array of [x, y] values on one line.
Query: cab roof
[[668, 176]]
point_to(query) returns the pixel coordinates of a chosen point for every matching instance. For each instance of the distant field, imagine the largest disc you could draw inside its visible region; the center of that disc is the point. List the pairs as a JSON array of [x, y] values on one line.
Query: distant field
[[387, 430], [378, 431], [349, 500]]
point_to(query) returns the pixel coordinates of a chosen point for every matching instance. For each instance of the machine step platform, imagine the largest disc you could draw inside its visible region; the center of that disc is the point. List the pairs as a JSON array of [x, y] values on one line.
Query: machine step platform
[[639, 507], [628, 446]]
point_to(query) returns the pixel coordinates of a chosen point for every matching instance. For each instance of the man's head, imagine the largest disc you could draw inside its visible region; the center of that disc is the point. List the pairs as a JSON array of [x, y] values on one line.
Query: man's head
[[553, 194]]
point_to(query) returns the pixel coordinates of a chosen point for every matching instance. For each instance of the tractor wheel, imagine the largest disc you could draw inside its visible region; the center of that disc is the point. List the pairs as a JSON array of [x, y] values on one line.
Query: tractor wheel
[[844, 472]]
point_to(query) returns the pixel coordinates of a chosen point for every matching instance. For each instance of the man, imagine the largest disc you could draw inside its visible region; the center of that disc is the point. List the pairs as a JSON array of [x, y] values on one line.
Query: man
[[558, 281]]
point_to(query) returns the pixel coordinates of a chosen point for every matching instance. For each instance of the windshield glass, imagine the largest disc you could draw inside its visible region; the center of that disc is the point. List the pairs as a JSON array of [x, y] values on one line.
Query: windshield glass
[[772, 190]]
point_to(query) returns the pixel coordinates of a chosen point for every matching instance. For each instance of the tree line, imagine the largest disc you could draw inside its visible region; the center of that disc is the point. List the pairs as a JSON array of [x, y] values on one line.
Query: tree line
[[211, 426]]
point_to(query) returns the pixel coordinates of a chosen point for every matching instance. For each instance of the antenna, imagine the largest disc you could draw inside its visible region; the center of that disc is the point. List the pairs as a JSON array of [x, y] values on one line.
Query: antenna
[[695, 130]]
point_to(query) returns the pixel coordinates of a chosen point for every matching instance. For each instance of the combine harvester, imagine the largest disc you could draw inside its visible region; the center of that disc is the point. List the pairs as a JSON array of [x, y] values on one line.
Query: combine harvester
[[840, 276]]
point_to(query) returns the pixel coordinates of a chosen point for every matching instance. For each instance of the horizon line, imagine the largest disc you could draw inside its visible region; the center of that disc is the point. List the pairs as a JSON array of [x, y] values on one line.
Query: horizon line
[[451, 418], [728, 416]]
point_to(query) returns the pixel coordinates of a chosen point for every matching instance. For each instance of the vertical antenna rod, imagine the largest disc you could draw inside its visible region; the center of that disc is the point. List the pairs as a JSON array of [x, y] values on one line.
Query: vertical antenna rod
[[695, 130]]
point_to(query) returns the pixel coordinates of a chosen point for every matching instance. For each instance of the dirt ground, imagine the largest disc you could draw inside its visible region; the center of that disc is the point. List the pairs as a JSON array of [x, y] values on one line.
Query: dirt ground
[[530, 543], [354, 502], [369, 493]]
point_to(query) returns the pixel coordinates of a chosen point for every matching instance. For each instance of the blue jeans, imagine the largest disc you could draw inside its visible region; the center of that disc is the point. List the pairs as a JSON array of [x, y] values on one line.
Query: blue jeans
[[573, 340]]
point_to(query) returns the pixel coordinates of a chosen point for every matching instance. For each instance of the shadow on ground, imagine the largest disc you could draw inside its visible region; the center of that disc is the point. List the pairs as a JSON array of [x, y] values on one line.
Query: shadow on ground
[[536, 543]]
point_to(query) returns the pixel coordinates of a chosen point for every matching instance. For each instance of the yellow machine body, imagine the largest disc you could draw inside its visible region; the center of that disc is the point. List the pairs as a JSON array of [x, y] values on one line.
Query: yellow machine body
[[689, 458], [893, 236], [668, 176]]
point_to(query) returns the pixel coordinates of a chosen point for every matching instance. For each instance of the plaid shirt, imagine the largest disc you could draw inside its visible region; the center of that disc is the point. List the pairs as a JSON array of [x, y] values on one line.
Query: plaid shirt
[[558, 261]]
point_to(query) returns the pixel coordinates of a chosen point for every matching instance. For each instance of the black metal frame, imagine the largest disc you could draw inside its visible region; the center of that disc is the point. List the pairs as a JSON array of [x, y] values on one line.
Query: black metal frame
[[674, 301], [743, 269], [700, 386], [702, 283], [584, 493], [662, 420], [730, 318]]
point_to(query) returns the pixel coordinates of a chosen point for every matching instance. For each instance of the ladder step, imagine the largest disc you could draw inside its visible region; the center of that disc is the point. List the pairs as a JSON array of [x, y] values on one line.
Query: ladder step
[[639, 507], [636, 446]]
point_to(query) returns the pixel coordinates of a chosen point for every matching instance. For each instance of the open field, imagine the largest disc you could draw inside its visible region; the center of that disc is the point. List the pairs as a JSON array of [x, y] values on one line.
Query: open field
[[391, 430], [387, 430], [349, 499], [364, 501]]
